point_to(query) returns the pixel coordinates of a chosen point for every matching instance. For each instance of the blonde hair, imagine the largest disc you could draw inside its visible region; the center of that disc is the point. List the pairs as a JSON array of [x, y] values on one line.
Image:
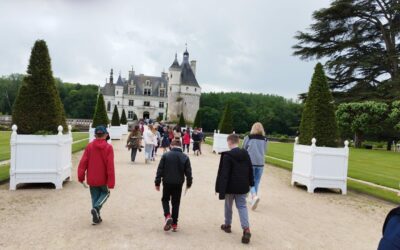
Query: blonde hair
[[257, 129]]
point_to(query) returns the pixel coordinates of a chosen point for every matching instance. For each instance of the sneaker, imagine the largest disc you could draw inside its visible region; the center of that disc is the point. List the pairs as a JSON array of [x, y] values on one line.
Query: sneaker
[[168, 223], [254, 203], [96, 217], [226, 228], [246, 236], [175, 228]]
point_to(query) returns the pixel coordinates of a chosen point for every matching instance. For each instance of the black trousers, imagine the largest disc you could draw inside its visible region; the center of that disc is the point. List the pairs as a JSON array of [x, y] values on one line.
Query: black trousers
[[172, 192], [133, 154]]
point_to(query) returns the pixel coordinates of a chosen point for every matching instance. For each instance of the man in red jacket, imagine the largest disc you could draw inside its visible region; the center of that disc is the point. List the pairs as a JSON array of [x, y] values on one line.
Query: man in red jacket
[[97, 163]]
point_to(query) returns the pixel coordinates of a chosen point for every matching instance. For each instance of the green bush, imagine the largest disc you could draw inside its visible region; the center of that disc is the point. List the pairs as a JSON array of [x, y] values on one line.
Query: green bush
[[197, 120], [38, 106], [100, 115], [226, 123], [115, 117], [123, 118], [182, 122], [318, 118]]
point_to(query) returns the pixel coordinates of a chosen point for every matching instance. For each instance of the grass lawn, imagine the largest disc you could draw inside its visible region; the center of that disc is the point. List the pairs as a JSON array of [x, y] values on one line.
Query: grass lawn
[[5, 143]]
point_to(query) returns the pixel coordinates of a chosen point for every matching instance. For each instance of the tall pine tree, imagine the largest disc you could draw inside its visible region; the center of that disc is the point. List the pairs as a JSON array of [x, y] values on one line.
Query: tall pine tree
[[123, 120], [115, 117], [100, 115], [197, 120], [182, 122], [318, 118], [38, 107], [226, 123]]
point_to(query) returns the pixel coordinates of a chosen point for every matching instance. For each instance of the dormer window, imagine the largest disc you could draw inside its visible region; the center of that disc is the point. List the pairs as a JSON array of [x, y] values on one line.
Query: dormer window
[[148, 83], [187, 88], [132, 91], [162, 92], [147, 92]]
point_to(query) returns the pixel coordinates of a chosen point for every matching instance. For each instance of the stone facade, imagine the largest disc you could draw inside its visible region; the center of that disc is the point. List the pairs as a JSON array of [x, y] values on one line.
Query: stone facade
[[165, 96]]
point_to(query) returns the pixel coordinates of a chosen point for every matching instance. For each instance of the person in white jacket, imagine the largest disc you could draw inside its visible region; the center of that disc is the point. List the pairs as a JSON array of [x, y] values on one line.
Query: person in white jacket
[[148, 138]]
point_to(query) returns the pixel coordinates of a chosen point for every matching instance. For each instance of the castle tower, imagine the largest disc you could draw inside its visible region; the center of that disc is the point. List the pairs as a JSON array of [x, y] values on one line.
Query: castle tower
[[184, 91]]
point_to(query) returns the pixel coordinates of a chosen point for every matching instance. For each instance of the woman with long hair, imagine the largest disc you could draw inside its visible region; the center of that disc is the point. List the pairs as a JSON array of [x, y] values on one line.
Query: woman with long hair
[[134, 142], [256, 146], [148, 138]]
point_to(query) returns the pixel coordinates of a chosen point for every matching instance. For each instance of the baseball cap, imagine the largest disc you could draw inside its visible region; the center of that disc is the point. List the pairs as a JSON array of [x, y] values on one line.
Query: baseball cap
[[100, 130]]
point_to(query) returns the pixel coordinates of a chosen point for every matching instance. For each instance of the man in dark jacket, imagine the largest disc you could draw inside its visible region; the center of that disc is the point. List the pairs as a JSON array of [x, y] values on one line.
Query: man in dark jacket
[[391, 231], [172, 169], [235, 177]]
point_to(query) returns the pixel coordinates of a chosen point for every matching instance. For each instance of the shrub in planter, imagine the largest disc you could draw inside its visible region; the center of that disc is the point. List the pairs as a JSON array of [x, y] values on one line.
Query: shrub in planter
[[100, 115], [123, 119], [226, 123], [318, 118], [38, 106], [115, 117]]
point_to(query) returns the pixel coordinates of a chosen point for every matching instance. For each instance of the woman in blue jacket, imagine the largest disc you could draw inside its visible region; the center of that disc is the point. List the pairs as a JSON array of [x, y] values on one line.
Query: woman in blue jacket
[[256, 146]]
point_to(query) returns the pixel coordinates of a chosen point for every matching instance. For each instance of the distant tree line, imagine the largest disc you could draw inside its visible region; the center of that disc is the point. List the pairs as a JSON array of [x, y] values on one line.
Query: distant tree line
[[79, 100], [277, 114]]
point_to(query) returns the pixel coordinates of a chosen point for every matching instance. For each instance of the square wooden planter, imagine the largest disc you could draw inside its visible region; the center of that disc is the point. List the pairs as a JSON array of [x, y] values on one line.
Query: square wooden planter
[[220, 143], [40, 158]]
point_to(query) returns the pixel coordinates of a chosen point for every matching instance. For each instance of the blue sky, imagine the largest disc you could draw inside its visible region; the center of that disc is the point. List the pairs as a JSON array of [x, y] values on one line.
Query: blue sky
[[239, 45]]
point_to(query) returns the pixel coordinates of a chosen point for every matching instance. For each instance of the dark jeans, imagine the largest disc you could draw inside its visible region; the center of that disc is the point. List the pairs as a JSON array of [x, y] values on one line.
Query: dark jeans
[[133, 154], [99, 196], [186, 146], [171, 192]]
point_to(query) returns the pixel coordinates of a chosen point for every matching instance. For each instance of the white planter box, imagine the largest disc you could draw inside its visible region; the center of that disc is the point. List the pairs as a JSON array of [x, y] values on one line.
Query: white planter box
[[91, 133], [220, 143], [115, 132], [40, 158], [124, 128], [320, 167]]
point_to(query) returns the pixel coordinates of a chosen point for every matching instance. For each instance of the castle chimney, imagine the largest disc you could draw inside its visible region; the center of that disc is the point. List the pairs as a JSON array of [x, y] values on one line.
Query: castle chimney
[[193, 66]]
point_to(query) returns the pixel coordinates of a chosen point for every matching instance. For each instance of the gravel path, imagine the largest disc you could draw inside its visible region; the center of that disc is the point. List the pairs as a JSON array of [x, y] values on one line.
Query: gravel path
[[39, 217]]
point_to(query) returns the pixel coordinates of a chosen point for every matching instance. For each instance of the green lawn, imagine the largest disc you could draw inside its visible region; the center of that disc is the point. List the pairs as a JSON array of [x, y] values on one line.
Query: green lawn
[[5, 143], [376, 166]]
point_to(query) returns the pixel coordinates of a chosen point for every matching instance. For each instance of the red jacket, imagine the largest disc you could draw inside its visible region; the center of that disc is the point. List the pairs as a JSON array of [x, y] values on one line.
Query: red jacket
[[186, 139], [97, 163]]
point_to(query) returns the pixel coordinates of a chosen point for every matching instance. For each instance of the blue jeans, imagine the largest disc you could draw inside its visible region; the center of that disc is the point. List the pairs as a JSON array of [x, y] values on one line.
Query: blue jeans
[[99, 196], [257, 172], [240, 200], [148, 150]]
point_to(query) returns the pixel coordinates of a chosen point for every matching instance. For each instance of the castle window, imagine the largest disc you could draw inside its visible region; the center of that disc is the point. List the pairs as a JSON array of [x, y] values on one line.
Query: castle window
[[161, 105], [162, 92], [108, 106], [171, 75], [170, 88], [148, 83], [187, 88], [118, 102], [130, 102], [195, 89], [117, 92], [130, 114], [146, 104], [132, 91], [147, 92]]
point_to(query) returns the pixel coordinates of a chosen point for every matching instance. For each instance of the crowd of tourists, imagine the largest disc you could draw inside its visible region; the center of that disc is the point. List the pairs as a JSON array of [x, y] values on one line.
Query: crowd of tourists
[[239, 173]]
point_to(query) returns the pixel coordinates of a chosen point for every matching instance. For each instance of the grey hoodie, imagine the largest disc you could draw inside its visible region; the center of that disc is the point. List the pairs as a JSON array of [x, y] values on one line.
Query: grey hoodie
[[256, 146]]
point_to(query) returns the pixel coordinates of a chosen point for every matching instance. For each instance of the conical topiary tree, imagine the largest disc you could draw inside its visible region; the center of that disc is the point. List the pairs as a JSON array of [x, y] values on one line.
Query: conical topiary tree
[[226, 123], [182, 122], [100, 115], [123, 120], [38, 107], [318, 118], [115, 117], [197, 120]]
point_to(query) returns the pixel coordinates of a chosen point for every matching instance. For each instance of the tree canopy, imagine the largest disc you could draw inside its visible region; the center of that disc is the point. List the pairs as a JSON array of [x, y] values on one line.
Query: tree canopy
[[359, 39], [318, 119], [38, 107], [226, 123], [115, 117], [100, 115], [123, 119]]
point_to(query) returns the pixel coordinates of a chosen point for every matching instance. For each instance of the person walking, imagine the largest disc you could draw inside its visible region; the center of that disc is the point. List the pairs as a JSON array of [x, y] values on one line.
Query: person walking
[[234, 179], [156, 141], [148, 138], [172, 169], [196, 141], [97, 166], [256, 145], [177, 133], [186, 141], [134, 142], [170, 134], [165, 142]]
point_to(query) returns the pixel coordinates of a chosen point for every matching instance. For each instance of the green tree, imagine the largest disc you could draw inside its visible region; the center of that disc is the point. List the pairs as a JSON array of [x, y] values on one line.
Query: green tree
[[100, 115], [197, 120], [226, 123], [318, 118], [115, 117], [361, 118], [394, 115], [360, 41], [182, 122], [38, 106], [123, 118]]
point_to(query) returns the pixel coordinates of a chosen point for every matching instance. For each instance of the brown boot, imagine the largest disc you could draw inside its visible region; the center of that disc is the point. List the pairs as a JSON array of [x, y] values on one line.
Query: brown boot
[[246, 236], [226, 228]]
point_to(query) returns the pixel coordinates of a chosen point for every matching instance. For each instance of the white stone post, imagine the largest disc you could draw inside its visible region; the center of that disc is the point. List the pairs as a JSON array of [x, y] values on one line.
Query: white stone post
[[13, 162]]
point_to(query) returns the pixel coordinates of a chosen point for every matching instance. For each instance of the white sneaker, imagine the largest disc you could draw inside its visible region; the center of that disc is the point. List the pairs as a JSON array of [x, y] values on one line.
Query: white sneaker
[[254, 203]]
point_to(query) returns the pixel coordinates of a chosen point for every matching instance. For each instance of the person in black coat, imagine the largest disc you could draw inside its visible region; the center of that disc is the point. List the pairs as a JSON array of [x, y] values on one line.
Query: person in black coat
[[172, 169], [391, 231], [234, 179]]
